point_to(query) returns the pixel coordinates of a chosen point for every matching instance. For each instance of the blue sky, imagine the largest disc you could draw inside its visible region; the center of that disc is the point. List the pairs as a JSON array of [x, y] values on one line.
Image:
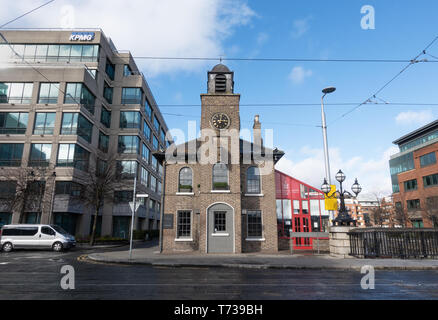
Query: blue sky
[[360, 143]]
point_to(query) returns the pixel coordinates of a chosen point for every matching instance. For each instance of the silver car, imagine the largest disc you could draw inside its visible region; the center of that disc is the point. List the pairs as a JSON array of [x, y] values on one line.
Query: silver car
[[37, 236]]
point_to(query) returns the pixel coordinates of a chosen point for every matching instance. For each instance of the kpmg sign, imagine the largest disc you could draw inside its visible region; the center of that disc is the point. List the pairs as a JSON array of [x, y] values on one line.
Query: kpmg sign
[[82, 36]]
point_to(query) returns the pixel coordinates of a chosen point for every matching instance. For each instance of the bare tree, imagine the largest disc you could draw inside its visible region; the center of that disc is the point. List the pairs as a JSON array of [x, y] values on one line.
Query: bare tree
[[98, 186], [431, 210], [26, 189], [380, 212], [400, 215]]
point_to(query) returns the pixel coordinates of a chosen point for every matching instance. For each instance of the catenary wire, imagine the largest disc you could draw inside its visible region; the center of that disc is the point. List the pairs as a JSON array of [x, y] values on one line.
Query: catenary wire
[[25, 14]]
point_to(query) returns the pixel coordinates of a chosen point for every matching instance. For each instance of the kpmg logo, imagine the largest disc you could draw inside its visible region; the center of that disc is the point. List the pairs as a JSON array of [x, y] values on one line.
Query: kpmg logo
[[82, 36]]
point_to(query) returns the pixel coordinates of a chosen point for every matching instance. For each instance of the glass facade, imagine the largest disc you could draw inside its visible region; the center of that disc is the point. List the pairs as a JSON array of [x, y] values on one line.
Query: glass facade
[[44, 123], [144, 178], [108, 93], [68, 188], [11, 154], [145, 152], [130, 119], [73, 155], [110, 69], [399, 165], [148, 108], [16, 92], [416, 142], [155, 143], [13, 122], [76, 124], [40, 155], [126, 169], [132, 95], [48, 93], [52, 52], [156, 124], [77, 93], [146, 130], [129, 144]]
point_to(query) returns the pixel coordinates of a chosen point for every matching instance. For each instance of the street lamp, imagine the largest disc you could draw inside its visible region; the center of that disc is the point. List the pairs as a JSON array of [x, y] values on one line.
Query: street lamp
[[326, 91], [343, 218]]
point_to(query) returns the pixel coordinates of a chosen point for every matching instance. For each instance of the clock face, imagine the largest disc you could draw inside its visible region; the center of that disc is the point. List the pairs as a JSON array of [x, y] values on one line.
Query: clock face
[[220, 121]]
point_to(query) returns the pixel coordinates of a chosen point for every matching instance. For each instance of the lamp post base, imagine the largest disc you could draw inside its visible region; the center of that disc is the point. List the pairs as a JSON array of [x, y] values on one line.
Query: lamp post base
[[344, 219]]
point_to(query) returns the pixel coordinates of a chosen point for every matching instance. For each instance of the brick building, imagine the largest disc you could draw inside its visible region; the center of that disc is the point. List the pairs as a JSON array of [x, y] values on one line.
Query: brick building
[[225, 204], [414, 175]]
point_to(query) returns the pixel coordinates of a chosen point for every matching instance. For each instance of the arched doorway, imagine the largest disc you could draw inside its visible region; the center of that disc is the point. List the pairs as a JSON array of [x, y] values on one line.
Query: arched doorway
[[220, 228]]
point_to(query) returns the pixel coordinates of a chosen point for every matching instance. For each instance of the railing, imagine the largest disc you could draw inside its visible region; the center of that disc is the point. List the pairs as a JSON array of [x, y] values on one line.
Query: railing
[[394, 243]]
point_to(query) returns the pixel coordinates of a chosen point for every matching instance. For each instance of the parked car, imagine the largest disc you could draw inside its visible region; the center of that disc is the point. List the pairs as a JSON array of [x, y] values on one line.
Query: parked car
[[37, 236]]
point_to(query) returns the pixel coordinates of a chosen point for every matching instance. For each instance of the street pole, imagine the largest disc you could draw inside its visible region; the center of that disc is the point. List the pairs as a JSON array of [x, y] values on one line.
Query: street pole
[[326, 154], [133, 213], [163, 196]]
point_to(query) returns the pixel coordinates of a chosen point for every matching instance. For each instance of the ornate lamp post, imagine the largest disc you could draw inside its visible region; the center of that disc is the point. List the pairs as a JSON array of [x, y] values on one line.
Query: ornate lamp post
[[343, 218]]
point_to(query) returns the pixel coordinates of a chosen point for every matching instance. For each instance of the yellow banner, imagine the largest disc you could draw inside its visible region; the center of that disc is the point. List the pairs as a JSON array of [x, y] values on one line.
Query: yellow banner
[[331, 203]]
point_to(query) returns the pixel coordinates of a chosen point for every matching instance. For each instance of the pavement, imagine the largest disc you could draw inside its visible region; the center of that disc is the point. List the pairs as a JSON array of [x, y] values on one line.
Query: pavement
[[151, 256]]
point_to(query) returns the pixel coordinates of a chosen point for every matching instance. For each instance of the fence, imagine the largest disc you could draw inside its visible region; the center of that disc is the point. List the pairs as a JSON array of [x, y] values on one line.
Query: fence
[[394, 243]]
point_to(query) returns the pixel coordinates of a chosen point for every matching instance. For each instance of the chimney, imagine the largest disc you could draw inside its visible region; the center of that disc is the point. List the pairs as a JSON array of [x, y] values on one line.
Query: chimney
[[257, 131]]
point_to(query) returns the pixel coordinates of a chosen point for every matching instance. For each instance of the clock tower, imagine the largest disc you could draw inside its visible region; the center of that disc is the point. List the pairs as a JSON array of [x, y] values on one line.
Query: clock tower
[[220, 106]]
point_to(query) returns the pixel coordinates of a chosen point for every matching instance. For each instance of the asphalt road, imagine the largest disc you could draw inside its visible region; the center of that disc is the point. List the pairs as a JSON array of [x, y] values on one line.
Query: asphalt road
[[36, 275]]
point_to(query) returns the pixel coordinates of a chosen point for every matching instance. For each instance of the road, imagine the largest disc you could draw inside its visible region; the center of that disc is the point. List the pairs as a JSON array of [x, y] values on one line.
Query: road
[[36, 275]]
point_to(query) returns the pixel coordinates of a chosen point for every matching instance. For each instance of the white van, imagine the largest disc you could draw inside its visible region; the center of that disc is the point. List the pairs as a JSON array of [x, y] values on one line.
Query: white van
[[37, 236]]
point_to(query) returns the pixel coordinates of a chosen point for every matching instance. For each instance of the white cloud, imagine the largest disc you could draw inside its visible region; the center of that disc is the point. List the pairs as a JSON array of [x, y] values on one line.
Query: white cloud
[[414, 117], [300, 27], [372, 174], [299, 74], [185, 28]]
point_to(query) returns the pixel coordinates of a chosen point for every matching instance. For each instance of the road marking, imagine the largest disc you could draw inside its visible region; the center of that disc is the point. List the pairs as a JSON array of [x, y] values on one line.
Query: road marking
[[3, 263]]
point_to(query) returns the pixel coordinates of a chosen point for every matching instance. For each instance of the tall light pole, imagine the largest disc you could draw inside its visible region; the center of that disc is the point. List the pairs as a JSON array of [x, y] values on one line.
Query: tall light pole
[[324, 135]]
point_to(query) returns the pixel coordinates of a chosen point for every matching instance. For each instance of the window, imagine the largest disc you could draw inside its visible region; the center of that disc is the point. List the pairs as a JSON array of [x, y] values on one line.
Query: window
[[145, 153], [184, 224], [154, 162], [144, 179], [220, 176], [159, 187], [160, 169], [103, 142], [13, 122], [146, 130], [77, 93], [11, 154], [110, 69], [417, 224], [68, 188], [105, 117], [129, 144], [73, 155], [253, 180], [296, 204], [123, 196], [92, 73], [132, 95], [155, 143], [130, 119], [410, 185], [153, 186], [126, 169], [48, 93], [16, 92], [163, 136], [44, 123], [305, 208], [185, 180], [399, 165], [40, 155], [54, 53], [127, 70], [156, 124], [428, 137], [147, 108], [430, 181], [48, 231], [254, 223], [108, 93], [427, 159], [413, 204], [76, 124], [220, 222]]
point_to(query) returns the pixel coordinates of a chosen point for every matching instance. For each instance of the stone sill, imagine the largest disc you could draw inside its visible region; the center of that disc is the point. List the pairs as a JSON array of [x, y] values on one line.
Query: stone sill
[[220, 234], [183, 240], [255, 239], [220, 191], [185, 193], [254, 195]]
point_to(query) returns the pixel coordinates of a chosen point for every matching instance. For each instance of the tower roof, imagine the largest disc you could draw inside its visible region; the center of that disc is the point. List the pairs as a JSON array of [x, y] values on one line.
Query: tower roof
[[220, 68]]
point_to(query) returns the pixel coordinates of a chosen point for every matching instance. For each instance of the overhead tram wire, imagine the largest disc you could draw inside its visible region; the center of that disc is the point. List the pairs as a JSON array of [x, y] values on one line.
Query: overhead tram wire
[[25, 14], [303, 104], [281, 59], [412, 62]]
